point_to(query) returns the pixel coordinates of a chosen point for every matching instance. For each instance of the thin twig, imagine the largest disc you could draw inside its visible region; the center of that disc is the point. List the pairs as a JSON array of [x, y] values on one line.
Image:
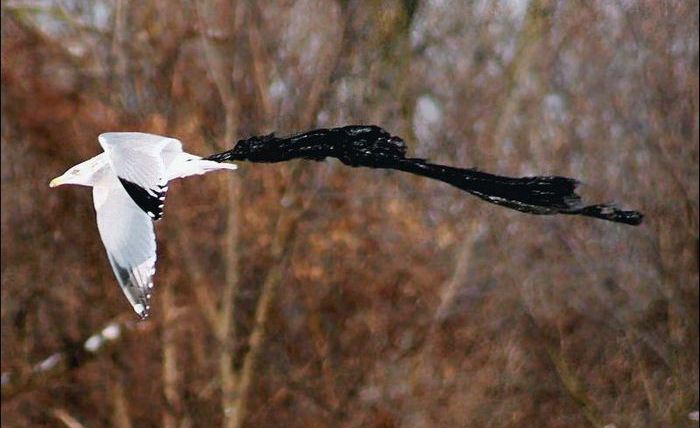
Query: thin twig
[[67, 420]]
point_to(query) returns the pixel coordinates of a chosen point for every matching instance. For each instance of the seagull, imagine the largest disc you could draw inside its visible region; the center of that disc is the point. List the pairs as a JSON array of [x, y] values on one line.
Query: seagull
[[129, 182]]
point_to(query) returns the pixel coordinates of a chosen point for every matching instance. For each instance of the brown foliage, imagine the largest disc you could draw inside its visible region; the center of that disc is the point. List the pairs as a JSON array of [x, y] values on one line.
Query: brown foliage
[[312, 294]]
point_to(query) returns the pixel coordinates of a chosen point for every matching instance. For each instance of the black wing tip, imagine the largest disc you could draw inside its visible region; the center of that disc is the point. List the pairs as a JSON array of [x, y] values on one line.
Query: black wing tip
[[145, 316], [151, 204], [143, 309]]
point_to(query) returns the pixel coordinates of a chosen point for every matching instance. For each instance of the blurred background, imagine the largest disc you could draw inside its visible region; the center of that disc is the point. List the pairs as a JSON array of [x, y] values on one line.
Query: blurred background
[[311, 294]]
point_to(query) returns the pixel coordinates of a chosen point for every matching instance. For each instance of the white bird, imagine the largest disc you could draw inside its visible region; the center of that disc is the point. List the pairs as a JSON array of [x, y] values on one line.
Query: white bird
[[129, 182]]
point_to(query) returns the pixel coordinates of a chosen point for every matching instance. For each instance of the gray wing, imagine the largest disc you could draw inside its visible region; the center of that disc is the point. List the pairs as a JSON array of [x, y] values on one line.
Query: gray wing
[[128, 236], [140, 161]]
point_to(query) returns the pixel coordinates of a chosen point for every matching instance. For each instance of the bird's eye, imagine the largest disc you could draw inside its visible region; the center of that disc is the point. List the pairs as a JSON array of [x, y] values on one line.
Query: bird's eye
[[74, 172]]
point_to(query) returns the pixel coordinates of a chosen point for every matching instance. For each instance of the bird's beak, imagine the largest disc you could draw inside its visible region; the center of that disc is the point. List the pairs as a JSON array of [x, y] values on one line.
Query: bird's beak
[[56, 181]]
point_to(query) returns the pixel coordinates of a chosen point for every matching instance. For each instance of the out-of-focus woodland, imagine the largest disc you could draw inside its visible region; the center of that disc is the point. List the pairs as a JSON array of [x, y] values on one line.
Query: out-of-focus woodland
[[311, 294]]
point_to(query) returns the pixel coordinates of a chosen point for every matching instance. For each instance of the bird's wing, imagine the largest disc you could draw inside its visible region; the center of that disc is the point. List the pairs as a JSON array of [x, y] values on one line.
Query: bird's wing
[[128, 236], [140, 162]]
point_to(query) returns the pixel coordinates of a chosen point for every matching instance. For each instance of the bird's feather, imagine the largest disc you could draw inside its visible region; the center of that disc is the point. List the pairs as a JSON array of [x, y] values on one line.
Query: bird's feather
[[128, 236]]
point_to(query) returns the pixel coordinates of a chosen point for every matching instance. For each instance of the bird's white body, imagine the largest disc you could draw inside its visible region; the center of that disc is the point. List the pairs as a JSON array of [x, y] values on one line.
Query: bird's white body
[[129, 182]]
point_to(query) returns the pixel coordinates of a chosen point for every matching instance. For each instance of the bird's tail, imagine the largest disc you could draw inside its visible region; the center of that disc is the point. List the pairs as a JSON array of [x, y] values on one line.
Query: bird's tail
[[186, 165], [207, 165]]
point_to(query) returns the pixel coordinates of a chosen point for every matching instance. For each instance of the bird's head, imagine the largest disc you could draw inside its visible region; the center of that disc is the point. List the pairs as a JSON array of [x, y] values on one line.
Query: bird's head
[[82, 174]]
